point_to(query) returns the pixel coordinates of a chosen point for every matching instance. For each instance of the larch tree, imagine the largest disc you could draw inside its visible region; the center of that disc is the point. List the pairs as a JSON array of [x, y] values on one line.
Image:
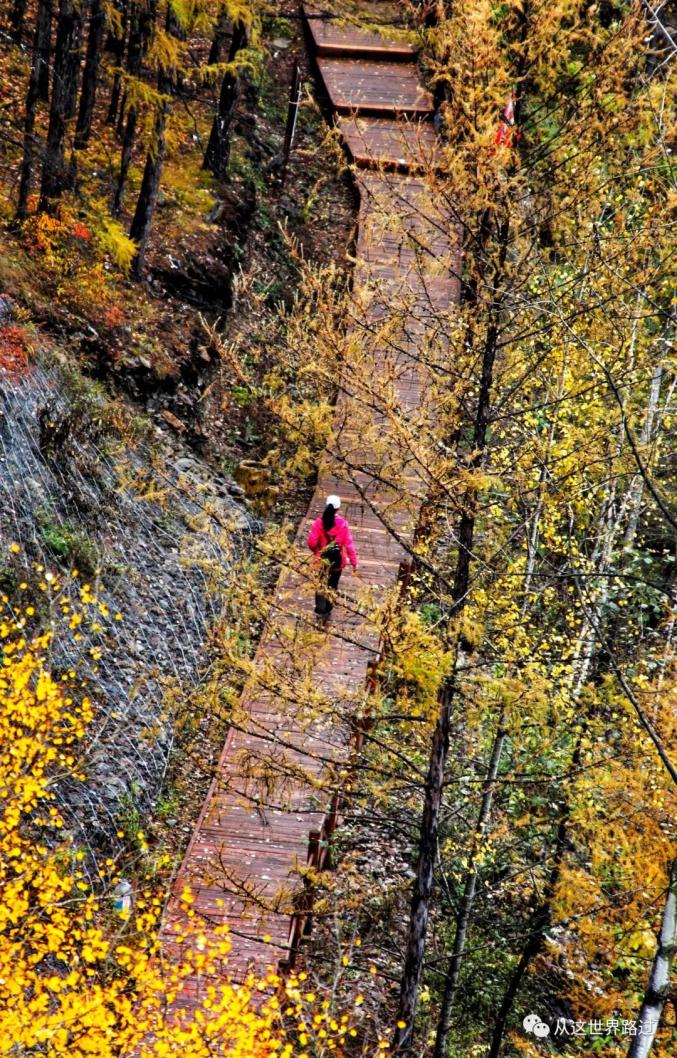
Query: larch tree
[[167, 60], [40, 37], [142, 19], [63, 103], [245, 21], [90, 74]]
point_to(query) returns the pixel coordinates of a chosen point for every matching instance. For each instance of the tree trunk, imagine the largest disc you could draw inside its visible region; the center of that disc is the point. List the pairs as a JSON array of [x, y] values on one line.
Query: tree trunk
[[636, 491], [120, 124], [218, 149], [453, 973], [429, 829], [116, 46], [64, 93], [534, 531], [219, 38], [658, 987], [17, 20], [423, 884], [150, 185], [115, 93], [125, 160], [32, 96], [73, 60], [45, 52], [536, 930], [90, 76], [139, 38]]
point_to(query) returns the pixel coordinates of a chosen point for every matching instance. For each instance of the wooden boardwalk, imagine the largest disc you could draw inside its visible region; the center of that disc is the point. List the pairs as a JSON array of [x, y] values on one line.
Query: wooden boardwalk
[[250, 841]]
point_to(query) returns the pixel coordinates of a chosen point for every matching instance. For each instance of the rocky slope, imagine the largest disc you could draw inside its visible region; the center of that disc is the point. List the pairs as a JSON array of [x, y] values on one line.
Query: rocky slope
[[153, 532]]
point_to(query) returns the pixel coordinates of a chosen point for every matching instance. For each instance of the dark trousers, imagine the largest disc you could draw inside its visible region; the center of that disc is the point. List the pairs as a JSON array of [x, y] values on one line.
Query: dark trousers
[[323, 605]]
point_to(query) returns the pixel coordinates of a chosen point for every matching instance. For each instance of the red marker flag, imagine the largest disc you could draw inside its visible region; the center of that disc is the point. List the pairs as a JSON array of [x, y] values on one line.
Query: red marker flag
[[506, 133]]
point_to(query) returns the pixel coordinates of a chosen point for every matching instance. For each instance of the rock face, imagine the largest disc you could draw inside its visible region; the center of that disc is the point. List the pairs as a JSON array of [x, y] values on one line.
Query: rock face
[[154, 531]]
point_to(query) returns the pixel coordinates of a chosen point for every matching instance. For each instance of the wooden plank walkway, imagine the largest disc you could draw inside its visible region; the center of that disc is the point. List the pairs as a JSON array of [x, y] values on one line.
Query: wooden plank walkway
[[375, 87], [374, 142], [332, 37], [250, 841]]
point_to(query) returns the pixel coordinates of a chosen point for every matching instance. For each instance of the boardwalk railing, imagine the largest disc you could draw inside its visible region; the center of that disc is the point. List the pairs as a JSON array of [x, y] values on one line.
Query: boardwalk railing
[[320, 841]]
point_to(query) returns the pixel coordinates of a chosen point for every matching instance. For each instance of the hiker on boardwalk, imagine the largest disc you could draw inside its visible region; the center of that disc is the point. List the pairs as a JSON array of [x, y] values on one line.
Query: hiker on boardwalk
[[331, 543]]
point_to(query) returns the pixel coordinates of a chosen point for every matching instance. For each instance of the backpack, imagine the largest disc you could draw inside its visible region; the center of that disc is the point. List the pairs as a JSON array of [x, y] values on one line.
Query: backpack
[[331, 553]]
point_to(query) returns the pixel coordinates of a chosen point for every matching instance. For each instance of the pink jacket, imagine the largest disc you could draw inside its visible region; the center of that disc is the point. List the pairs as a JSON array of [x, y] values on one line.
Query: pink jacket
[[318, 540]]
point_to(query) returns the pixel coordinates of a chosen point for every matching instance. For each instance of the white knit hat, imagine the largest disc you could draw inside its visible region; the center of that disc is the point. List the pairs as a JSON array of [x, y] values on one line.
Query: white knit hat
[[334, 501]]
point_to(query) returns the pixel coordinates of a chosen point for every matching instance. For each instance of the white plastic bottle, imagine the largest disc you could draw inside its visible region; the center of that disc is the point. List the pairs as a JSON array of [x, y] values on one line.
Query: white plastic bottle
[[122, 898]]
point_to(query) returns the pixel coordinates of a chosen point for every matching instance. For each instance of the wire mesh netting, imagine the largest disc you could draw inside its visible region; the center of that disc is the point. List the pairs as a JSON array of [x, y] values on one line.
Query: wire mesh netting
[[154, 533]]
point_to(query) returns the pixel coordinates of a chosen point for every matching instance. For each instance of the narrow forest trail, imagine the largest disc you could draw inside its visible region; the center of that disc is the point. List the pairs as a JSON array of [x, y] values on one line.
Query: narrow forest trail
[[242, 861]]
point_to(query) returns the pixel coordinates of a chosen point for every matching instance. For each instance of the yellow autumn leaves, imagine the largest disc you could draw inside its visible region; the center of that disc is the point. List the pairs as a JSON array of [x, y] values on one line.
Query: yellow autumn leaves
[[75, 978]]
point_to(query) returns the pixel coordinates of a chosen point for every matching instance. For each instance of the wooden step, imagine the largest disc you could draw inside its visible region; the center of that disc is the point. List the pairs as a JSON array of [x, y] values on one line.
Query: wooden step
[[372, 142], [382, 89], [336, 37]]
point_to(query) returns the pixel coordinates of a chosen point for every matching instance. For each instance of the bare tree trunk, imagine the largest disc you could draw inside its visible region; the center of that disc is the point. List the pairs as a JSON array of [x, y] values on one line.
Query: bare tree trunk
[[32, 96], [116, 46], [637, 487], [150, 185], [608, 529], [139, 37], [465, 911], [45, 52], [64, 93], [219, 38], [17, 20], [73, 60], [122, 114], [218, 149], [423, 884], [125, 158], [90, 76], [534, 530], [536, 931], [658, 986]]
